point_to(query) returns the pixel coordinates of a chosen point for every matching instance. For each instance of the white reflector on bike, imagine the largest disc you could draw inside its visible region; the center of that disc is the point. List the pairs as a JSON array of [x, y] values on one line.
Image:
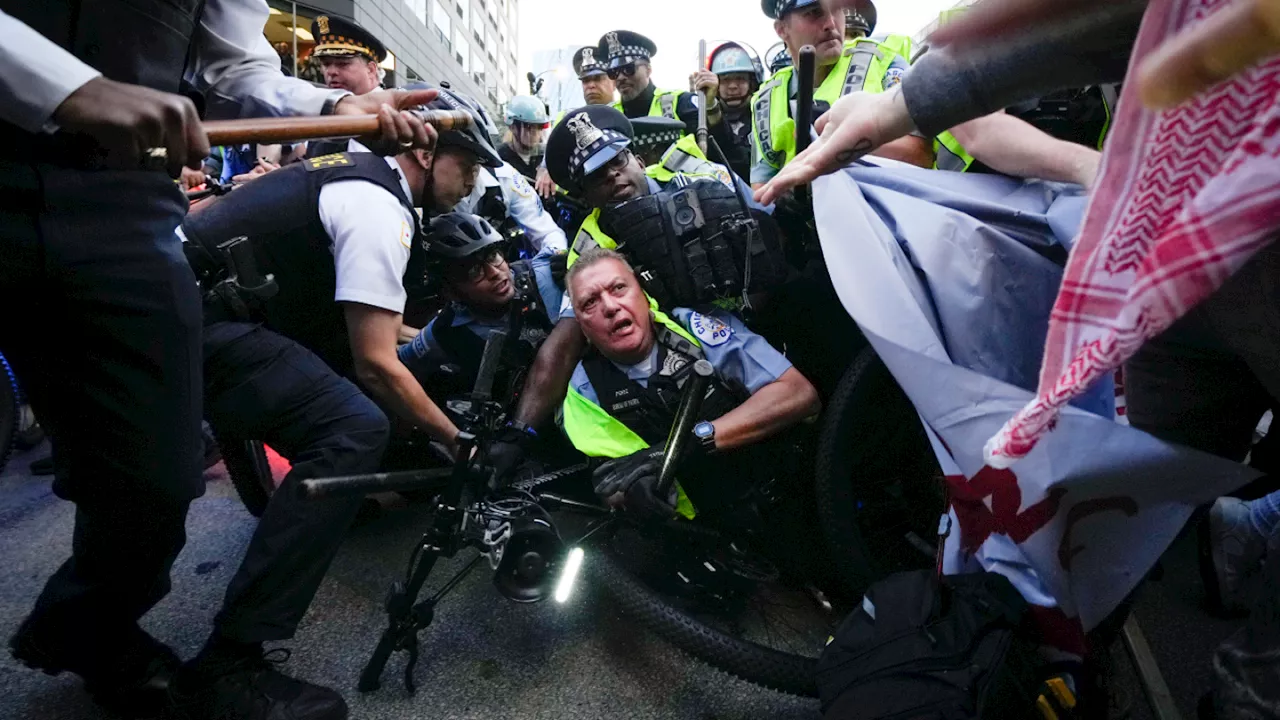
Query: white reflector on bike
[[574, 563]]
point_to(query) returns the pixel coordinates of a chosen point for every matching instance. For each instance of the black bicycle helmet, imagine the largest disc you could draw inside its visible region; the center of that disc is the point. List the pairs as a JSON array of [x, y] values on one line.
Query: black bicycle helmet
[[477, 138], [457, 235]]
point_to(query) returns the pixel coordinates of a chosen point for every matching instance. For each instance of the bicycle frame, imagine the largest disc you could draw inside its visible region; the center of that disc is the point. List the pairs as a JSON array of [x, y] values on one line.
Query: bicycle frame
[[451, 529]]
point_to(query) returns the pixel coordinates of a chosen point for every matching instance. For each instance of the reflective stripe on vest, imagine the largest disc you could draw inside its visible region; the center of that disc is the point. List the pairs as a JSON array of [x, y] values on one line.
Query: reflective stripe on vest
[[596, 433], [950, 154], [662, 105], [862, 66]]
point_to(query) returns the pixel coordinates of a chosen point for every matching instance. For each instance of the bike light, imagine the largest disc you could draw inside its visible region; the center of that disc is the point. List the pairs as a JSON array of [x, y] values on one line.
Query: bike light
[[571, 567]]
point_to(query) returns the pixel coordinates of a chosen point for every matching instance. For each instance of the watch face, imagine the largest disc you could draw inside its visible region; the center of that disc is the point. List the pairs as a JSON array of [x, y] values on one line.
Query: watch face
[[704, 429]]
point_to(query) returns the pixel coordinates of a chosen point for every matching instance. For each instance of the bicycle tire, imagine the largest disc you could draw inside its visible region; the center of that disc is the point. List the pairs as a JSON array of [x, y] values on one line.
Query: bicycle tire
[[8, 411], [250, 473], [871, 426], [785, 672]]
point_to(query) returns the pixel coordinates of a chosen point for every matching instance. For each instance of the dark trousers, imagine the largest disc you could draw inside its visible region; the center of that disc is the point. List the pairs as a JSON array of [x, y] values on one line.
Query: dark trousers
[[260, 385], [1204, 383], [101, 321]]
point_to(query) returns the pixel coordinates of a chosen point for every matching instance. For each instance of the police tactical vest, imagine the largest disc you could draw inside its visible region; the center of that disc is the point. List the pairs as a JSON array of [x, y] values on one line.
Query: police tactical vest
[[279, 213], [649, 411], [677, 167], [862, 66], [142, 42], [527, 327]]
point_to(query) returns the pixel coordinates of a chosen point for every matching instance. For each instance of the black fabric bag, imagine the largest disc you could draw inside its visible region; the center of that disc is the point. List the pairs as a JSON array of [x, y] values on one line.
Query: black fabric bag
[[929, 648]]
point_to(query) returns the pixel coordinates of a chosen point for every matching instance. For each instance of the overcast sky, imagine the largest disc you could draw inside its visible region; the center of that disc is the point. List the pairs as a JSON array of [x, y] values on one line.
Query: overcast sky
[[677, 25]]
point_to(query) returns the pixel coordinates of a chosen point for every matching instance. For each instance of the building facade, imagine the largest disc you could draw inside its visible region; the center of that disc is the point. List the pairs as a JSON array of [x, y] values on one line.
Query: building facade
[[471, 44]]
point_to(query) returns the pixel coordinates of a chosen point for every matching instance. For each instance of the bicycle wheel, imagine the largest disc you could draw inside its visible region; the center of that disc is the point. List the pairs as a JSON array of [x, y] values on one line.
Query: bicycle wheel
[[8, 410], [721, 602], [250, 473], [878, 485]]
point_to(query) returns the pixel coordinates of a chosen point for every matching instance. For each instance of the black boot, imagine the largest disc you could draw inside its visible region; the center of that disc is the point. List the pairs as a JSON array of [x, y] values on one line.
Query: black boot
[[126, 671], [233, 681]]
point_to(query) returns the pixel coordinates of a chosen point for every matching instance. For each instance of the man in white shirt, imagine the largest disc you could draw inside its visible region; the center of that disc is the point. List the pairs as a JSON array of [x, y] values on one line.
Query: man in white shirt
[[340, 236], [91, 94]]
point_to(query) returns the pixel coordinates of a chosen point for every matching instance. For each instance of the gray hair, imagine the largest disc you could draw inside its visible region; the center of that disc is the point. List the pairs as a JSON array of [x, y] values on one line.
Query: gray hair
[[589, 258]]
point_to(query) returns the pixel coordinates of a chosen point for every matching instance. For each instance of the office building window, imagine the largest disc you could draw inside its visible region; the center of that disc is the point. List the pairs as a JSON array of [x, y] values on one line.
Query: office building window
[[502, 31], [477, 26], [440, 19], [491, 46], [464, 12], [461, 48], [491, 8], [418, 8]]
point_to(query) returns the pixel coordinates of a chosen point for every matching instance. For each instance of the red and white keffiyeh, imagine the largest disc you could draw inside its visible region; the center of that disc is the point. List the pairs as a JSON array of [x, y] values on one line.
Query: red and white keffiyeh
[[1184, 198]]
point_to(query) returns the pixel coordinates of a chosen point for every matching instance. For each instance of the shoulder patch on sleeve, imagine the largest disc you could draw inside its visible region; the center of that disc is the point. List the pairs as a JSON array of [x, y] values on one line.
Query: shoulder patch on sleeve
[[521, 186], [406, 234], [892, 77], [709, 331]]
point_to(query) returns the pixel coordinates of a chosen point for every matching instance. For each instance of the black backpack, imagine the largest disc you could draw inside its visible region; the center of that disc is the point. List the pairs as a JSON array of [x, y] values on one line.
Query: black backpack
[[929, 648]]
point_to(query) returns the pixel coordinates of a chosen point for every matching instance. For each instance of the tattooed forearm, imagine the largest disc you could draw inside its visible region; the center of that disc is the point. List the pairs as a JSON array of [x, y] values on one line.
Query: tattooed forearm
[[860, 148]]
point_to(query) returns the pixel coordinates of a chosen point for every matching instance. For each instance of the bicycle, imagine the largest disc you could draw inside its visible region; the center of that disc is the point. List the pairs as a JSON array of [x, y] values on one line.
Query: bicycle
[[716, 590]]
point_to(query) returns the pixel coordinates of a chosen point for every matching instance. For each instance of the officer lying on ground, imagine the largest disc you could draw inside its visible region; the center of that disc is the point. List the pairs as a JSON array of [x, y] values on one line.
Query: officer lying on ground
[[485, 294], [589, 155], [624, 393], [340, 235]]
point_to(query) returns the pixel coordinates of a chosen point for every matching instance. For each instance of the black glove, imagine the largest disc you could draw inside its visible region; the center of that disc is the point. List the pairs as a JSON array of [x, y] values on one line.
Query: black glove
[[559, 264], [506, 454], [636, 477]]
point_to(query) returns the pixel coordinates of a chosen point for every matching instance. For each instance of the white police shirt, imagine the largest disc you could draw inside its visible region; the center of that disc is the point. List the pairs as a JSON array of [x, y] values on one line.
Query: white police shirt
[[736, 354], [523, 206], [371, 232]]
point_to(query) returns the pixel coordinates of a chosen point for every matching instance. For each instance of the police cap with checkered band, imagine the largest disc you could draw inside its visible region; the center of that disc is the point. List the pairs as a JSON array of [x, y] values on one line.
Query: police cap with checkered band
[[583, 141], [623, 47]]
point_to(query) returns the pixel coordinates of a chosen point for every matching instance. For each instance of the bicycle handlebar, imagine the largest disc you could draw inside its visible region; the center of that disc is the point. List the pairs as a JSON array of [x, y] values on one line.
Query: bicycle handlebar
[[317, 488]]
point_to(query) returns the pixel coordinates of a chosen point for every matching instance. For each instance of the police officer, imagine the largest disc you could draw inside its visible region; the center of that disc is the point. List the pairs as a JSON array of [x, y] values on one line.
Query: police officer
[[339, 234], [589, 155], [125, 418], [485, 294], [627, 55], [842, 67], [503, 197], [623, 395], [597, 89], [741, 73], [351, 58], [527, 119]]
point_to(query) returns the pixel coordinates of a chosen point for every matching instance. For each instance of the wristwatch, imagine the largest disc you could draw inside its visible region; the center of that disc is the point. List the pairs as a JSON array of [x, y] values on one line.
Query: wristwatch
[[706, 434], [523, 427]]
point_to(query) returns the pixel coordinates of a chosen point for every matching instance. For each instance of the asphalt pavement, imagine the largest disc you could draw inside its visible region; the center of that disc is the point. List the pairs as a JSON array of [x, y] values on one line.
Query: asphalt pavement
[[484, 657]]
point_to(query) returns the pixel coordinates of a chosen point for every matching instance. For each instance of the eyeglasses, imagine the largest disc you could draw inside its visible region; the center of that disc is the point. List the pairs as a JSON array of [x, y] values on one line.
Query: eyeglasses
[[629, 70], [474, 267], [616, 164]]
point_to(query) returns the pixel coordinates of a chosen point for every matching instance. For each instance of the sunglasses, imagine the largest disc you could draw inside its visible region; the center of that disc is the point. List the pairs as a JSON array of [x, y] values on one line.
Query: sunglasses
[[473, 268], [629, 70]]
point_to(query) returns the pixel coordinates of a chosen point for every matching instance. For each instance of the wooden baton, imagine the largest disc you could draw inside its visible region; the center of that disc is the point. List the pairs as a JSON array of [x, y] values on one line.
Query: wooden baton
[[282, 129]]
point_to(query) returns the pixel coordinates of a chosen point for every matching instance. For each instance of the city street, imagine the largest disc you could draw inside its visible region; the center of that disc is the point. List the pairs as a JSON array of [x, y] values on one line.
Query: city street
[[485, 657]]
